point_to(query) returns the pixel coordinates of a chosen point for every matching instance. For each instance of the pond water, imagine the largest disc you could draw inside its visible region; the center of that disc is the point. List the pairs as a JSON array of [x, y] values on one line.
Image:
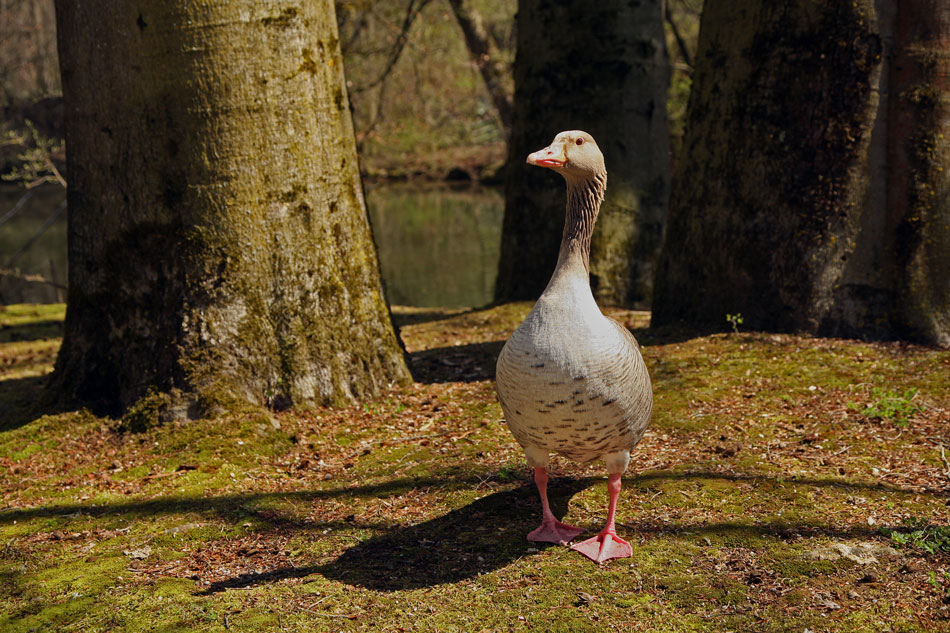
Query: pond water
[[438, 245]]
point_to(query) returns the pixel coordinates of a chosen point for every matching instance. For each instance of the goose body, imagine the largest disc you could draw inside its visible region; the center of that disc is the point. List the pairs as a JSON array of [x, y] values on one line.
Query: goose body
[[571, 380]]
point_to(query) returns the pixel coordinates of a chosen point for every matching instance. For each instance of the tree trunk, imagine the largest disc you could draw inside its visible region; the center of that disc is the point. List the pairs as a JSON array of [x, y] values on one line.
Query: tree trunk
[[768, 190], [813, 192], [602, 68], [897, 281], [485, 55], [218, 242]]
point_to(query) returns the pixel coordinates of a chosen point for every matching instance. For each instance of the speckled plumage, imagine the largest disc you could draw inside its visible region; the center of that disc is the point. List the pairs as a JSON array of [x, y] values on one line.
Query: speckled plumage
[[571, 380]]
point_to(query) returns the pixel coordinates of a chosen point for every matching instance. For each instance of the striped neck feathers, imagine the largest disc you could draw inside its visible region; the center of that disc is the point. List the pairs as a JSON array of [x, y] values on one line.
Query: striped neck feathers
[[584, 197]]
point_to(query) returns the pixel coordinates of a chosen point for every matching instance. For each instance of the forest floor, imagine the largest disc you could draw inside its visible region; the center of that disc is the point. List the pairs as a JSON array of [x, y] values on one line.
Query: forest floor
[[787, 484]]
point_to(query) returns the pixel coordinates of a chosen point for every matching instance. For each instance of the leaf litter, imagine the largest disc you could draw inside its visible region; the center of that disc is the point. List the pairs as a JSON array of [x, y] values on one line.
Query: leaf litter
[[761, 454]]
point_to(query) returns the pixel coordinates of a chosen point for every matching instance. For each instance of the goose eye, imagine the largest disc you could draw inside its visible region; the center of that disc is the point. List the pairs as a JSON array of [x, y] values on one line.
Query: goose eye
[[580, 141]]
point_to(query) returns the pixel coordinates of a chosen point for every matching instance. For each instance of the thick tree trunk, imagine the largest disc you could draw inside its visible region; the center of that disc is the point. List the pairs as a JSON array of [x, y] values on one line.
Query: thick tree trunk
[[218, 242], [897, 281], [601, 68], [813, 192], [767, 194], [485, 55]]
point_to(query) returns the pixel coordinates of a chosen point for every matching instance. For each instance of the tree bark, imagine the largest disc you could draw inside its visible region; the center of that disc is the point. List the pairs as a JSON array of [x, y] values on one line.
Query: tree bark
[[767, 191], [218, 242], [601, 68], [485, 55], [896, 283], [813, 193]]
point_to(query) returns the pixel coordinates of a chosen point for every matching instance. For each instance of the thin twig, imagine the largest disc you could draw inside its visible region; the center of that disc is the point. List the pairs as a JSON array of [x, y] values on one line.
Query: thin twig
[[946, 462], [40, 279], [58, 176], [19, 205], [412, 11], [350, 616]]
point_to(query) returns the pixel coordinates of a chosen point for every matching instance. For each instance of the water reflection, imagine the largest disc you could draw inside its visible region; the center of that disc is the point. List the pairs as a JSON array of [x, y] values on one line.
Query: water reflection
[[45, 255], [438, 246]]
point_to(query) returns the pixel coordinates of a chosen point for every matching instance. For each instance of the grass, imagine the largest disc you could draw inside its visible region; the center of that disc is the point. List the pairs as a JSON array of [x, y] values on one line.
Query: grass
[[890, 405], [408, 513]]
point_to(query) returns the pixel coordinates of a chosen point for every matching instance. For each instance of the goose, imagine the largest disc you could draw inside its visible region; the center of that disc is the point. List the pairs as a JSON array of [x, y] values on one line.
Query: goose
[[571, 380]]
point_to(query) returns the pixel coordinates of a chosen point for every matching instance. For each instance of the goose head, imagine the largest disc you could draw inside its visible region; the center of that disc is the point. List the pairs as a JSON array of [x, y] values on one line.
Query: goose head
[[573, 154]]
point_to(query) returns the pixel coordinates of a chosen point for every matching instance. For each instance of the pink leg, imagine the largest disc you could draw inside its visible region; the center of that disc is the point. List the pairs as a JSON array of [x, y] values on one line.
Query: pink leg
[[551, 530], [607, 544]]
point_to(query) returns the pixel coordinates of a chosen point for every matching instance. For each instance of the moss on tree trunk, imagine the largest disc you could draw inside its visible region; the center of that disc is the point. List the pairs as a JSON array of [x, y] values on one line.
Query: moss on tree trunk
[[601, 68], [808, 197], [897, 280], [218, 241]]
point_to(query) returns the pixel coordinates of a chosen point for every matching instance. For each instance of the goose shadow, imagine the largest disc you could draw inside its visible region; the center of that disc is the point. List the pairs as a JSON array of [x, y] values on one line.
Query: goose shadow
[[490, 533], [481, 537]]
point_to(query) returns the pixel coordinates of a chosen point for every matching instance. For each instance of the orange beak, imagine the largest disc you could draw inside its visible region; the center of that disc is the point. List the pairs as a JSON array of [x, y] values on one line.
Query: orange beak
[[548, 157]]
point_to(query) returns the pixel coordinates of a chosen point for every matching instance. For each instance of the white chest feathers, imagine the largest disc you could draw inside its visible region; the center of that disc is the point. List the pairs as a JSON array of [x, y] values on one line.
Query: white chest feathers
[[572, 381]]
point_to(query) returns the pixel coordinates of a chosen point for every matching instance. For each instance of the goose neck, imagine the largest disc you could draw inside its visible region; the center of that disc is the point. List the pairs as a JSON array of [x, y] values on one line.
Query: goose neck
[[584, 197]]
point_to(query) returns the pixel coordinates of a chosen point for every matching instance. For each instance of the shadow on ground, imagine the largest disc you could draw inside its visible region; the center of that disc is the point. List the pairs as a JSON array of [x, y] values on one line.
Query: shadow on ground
[[483, 536], [416, 317], [476, 361], [32, 331], [23, 400], [459, 363]]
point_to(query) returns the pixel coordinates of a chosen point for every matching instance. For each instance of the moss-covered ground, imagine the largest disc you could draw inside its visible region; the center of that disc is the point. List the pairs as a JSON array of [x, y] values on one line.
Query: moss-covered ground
[[763, 466]]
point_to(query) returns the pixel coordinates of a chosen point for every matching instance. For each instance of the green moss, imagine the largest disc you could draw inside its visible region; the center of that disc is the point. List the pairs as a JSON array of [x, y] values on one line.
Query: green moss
[[147, 412], [426, 530]]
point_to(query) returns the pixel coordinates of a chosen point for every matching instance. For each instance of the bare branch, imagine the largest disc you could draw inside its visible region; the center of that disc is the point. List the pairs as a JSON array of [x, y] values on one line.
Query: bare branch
[[484, 52], [680, 42], [39, 279], [412, 12]]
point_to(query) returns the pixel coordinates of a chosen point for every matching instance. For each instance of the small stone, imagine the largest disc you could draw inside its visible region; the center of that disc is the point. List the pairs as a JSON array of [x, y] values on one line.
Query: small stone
[[139, 553], [861, 553], [854, 595]]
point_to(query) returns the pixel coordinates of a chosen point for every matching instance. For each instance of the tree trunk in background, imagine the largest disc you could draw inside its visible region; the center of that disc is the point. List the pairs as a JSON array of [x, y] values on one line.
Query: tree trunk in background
[[897, 280], [810, 196], [218, 243], [485, 55], [599, 67], [767, 194], [28, 66]]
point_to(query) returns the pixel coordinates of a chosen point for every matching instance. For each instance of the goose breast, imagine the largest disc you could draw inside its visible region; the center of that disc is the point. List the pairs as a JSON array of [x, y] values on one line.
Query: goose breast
[[574, 384]]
